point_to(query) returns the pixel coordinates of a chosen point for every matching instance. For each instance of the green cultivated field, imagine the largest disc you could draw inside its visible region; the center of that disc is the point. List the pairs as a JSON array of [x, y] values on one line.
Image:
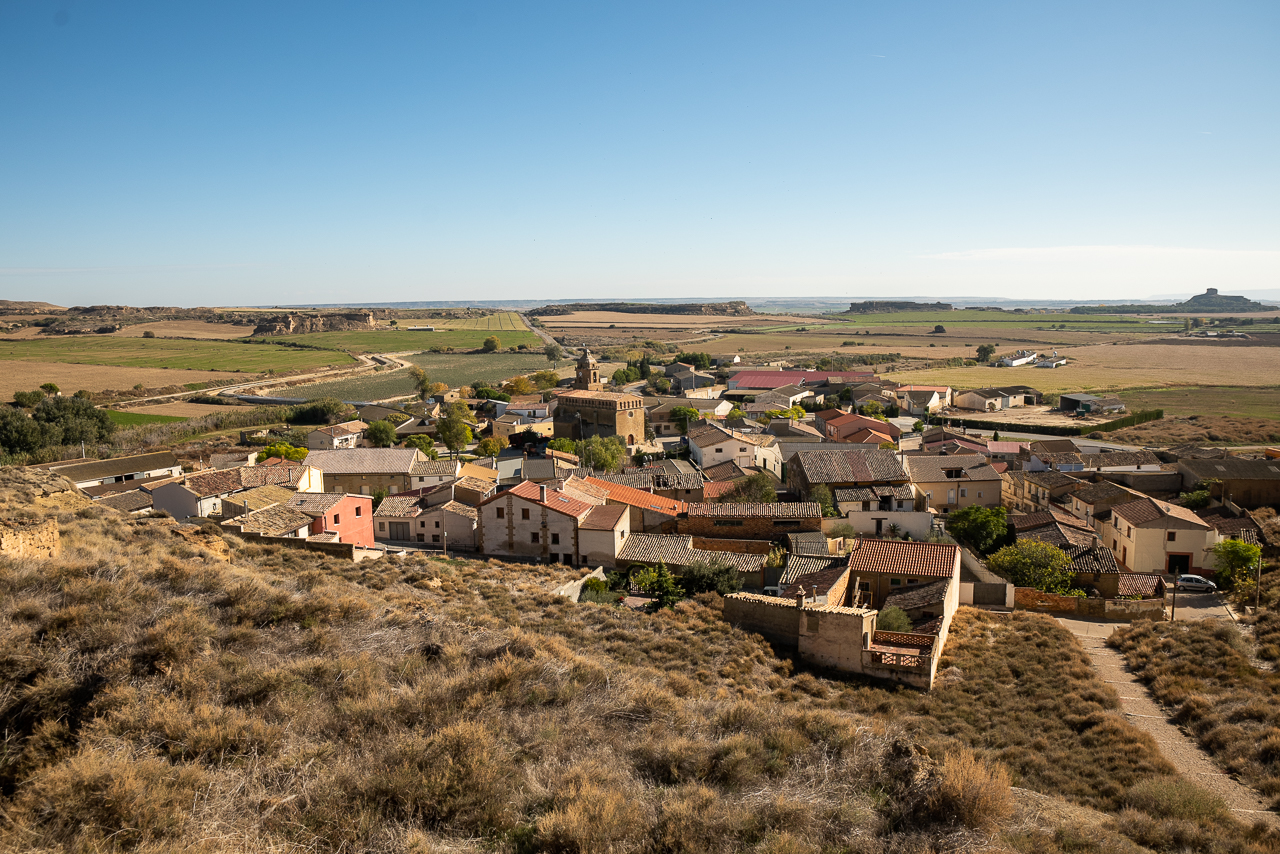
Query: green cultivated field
[[1220, 400], [134, 419], [454, 370], [168, 353], [970, 317], [399, 341]]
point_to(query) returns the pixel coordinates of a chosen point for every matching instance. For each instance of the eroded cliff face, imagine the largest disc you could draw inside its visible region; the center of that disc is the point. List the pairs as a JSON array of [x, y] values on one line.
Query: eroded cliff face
[[736, 308], [302, 324]]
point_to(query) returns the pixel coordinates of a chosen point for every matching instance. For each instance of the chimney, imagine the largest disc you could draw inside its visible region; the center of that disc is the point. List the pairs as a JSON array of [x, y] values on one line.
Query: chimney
[[800, 597], [542, 493]]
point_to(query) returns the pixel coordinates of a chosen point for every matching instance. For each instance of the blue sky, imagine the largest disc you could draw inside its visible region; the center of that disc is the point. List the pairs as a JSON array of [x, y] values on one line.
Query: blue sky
[[203, 153]]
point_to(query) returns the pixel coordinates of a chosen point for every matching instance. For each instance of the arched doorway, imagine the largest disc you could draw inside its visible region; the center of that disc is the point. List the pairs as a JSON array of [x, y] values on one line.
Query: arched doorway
[[631, 439]]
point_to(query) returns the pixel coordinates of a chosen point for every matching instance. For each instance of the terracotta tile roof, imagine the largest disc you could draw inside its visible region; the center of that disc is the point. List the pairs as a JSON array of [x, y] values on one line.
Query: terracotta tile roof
[[1005, 447], [400, 506], [849, 466], [901, 491], [325, 537], [638, 498], [475, 484], [717, 488], [727, 470], [364, 461], [556, 500], [903, 558], [679, 551], [1040, 518], [934, 469], [777, 379], [798, 566], [261, 497], [127, 502], [775, 510], [597, 395], [461, 509], [316, 503], [1147, 510], [823, 580], [923, 596], [1137, 584], [1102, 491], [710, 435], [347, 428], [276, 520], [423, 468], [603, 518], [562, 456], [1242, 528], [1063, 536]]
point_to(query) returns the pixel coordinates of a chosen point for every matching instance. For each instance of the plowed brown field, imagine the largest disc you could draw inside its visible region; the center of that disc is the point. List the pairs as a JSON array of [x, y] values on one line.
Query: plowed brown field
[[25, 376]]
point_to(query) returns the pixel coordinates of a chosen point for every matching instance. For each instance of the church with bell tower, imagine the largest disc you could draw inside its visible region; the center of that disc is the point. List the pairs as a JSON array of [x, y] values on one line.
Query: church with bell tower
[[588, 374]]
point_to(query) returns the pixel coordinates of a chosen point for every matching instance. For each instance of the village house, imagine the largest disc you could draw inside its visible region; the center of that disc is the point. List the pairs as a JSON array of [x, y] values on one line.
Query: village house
[[531, 406], [1080, 462], [84, 473], [649, 513], [1093, 502], [1153, 536], [886, 509], [508, 425], [843, 469], [1248, 483], [769, 521], [996, 399], [202, 493], [348, 434], [921, 400], [364, 471], [785, 397], [690, 380], [711, 444], [544, 523], [429, 472], [665, 424], [767, 380], [952, 482], [337, 517], [678, 552], [1029, 491], [401, 518], [278, 520], [1018, 358], [258, 498], [841, 426]]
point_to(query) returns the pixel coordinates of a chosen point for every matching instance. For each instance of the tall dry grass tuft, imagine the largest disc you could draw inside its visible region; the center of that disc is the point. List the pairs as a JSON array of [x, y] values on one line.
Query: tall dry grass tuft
[[971, 793]]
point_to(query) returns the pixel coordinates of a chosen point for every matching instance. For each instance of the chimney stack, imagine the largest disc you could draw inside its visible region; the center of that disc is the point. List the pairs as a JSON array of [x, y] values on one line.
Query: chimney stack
[[800, 597], [542, 493]]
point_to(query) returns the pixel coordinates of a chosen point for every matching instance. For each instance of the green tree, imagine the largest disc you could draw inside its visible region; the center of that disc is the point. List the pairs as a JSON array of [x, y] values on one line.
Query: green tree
[[283, 450], [918, 426], [605, 453], [553, 352], [707, 576], [1031, 563], [423, 443], [380, 494], [458, 409], [381, 434], [872, 409], [939, 329], [322, 410], [661, 585], [1234, 563], [545, 380], [491, 447], [421, 382], [754, 489], [50, 389], [454, 431], [893, 619], [1197, 499], [28, 399], [84, 394], [984, 528], [565, 446], [822, 494], [682, 415], [735, 413], [491, 344], [995, 437], [985, 352]]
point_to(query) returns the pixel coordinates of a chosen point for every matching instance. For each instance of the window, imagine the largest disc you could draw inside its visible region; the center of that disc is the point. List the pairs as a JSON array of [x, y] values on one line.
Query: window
[[742, 450], [422, 524], [964, 493], [1171, 536], [895, 582], [435, 538], [979, 493], [358, 509], [727, 523], [500, 513], [913, 581], [782, 523], [437, 524], [533, 538], [864, 586], [719, 450], [336, 519], [382, 526], [555, 539], [524, 512]]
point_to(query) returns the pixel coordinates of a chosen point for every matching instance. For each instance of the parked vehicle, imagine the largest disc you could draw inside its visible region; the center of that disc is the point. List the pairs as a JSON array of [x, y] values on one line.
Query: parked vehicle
[[1195, 584]]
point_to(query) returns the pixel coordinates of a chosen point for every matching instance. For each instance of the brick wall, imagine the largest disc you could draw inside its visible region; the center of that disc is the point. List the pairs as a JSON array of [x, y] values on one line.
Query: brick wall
[[742, 547], [751, 528]]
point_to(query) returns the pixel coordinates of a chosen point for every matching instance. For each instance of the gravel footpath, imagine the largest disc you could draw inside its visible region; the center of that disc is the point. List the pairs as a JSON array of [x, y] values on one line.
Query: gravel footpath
[[1138, 706]]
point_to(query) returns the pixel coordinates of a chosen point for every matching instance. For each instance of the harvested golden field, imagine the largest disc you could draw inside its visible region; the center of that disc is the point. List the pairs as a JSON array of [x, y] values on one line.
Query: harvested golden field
[[25, 376], [1110, 368], [1201, 430], [186, 329], [622, 319], [21, 334], [185, 409]]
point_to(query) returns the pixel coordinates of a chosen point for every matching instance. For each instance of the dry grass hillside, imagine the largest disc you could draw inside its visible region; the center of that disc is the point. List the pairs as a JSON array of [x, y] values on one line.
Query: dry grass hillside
[[166, 688]]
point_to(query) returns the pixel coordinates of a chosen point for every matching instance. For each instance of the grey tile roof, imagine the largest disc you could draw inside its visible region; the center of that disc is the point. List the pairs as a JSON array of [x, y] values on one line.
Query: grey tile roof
[[913, 598], [78, 470], [798, 566], [808, 543], [316, 503], [364, 461], [934, 469], [679, 551], [849, 466], [900, 491], [274, 521], [1233, 469], [127, 502], [399, 506]]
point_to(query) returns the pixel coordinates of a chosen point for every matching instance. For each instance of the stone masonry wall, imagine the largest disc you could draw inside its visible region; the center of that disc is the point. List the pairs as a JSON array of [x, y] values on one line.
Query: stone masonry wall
[[30, 539]]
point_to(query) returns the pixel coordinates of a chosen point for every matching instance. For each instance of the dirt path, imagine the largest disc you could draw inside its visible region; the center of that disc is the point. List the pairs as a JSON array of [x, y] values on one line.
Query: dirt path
[[1143, 711]]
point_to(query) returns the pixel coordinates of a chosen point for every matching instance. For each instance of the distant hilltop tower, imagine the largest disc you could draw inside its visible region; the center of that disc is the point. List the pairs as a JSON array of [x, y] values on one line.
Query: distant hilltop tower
[[588, 374]]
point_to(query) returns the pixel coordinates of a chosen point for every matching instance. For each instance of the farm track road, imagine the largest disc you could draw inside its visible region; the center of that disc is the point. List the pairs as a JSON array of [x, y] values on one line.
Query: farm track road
[[1138, 706]]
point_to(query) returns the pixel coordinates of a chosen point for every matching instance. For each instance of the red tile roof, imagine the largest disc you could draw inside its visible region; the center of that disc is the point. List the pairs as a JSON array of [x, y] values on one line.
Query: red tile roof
[[624, 494], [603, 518], [936, 560], [556, 500]]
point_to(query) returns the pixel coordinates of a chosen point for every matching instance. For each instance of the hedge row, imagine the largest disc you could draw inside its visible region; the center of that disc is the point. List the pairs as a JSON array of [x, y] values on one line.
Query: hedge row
[[1061, 429]]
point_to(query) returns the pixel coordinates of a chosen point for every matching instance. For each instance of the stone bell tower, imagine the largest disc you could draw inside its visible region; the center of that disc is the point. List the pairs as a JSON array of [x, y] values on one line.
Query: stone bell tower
[[588, 375]]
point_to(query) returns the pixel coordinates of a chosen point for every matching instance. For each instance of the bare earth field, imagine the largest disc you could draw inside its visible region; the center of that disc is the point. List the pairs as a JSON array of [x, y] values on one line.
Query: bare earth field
[[25, 333], [1111, 368], [1201, 430], [1225, 401], [186, 329], [621, 319], [25, 376], [183, 409]]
